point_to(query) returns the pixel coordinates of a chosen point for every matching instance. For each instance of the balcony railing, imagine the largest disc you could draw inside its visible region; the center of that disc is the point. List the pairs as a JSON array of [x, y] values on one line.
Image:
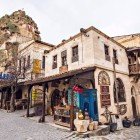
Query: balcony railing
[[134, 68]]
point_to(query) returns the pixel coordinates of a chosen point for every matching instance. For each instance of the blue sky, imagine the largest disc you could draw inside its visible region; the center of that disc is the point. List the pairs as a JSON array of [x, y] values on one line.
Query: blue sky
[[60, 19]]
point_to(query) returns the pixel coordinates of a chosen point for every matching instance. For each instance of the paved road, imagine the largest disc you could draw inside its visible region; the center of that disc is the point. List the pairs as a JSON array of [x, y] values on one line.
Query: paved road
[[15, 127]]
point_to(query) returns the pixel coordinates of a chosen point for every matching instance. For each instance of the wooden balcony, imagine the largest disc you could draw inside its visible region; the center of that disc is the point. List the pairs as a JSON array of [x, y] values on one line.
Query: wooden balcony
[[134, 69], [63, 69]]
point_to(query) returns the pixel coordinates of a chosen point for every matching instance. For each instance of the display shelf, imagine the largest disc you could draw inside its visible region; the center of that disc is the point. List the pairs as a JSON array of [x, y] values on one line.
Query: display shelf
[[62, 116], [62, 123]]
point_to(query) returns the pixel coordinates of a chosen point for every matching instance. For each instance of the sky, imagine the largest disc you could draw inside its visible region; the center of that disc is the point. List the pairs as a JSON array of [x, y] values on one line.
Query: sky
[[60, 19]]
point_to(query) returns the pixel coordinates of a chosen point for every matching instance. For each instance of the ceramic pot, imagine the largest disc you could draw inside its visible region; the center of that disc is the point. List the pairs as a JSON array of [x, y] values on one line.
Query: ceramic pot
[[95, 125], [127, 123], [113, 127], [136, 122], [91, 126], [81, 125]]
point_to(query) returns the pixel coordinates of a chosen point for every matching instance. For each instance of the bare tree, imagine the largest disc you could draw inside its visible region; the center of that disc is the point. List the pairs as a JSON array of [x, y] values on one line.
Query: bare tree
[[11, 67]]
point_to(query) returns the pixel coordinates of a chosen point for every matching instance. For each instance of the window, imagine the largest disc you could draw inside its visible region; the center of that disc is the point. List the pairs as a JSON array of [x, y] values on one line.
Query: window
[[28, 61], [43, 62], [120, 90], [75, 54], [64, 58], [54, 62], [115, 56], [106, 48]]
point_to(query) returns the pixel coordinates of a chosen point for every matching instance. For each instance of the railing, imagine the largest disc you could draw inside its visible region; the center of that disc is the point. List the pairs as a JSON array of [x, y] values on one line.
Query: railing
[[134, 68]]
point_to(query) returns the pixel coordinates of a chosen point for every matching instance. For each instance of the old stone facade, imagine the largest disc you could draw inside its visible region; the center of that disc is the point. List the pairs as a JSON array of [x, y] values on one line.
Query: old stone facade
[[132, 43], [92, 53]]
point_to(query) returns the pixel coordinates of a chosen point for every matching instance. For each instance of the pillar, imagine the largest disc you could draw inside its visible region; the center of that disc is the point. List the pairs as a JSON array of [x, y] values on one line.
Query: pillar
[[28, 101]]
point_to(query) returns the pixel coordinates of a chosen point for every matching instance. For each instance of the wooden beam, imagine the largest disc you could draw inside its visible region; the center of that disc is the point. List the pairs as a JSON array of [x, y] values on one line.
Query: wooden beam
[[28, 102]]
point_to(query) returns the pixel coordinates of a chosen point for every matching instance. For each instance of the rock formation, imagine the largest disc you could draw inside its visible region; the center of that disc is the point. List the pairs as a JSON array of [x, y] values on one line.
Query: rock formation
[[18, 23]]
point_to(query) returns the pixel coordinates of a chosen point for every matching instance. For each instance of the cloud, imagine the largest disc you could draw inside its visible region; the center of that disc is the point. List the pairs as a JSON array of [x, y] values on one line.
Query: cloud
[[60, 19]]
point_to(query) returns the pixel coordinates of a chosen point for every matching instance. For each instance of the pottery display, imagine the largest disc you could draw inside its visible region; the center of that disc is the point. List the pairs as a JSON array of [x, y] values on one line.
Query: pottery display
[[91, 126], [81, 125]]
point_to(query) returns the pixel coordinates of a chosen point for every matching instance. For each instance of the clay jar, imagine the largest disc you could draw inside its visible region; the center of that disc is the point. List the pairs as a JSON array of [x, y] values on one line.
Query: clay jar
[[91, 126]]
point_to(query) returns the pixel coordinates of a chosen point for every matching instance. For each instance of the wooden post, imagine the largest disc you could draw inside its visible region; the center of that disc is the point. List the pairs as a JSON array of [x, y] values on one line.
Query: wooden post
[[72, 112], [1, 99], [44, 105], [117, 99], [28, 102], [138, 69]]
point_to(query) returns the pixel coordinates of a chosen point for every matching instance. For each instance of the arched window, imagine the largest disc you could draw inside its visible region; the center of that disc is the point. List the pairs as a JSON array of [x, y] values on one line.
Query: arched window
[[121, 91]]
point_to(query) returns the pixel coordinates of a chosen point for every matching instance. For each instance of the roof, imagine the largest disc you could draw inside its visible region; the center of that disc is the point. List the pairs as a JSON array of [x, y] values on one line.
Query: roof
[[86, 30], [135, 34], [60, 76], [44, 43], [133, 49]]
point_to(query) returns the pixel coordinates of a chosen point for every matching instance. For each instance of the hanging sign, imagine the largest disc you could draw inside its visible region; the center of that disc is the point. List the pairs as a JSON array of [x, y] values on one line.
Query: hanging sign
[[5, 76], [37, 96], [36, 66]]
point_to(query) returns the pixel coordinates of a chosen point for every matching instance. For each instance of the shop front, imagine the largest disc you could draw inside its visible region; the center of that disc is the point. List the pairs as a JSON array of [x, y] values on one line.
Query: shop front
[[66, 95], [71, 95]]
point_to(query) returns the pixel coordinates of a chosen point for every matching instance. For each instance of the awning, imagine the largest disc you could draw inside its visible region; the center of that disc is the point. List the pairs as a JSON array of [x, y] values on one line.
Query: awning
[[55, 77], [60, 76]]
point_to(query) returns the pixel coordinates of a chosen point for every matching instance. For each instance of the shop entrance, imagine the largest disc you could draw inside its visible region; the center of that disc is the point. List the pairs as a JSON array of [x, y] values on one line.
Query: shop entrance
[[19, 94], [55, 99], [134, 107], [88, 101]]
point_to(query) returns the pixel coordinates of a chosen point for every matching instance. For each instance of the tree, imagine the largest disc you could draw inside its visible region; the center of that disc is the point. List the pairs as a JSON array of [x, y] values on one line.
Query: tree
[[10, 64]]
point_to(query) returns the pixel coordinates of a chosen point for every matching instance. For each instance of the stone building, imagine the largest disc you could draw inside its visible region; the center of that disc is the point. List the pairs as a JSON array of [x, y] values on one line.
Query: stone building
[[92, 48], [132, 44], [90, 63]]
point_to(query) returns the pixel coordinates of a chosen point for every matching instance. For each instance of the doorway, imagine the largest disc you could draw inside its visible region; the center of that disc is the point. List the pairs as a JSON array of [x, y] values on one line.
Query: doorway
[[55, 99], [134, 106]]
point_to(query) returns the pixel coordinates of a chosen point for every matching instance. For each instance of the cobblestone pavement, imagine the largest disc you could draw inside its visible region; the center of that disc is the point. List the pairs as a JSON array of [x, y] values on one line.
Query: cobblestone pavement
[[15, 127], [132, 133]]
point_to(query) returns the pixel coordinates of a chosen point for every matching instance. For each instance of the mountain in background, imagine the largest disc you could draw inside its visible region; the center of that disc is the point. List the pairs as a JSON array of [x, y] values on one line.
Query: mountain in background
[[18, 23]]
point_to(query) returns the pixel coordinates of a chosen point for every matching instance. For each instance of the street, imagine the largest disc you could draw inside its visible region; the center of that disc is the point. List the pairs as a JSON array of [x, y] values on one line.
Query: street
[[13, 126]]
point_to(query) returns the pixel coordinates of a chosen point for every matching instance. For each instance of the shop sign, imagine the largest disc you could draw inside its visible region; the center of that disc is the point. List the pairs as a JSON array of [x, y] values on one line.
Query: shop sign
[[5, 76], [103, 78], [36, 66], [37, 96], [105, 96]]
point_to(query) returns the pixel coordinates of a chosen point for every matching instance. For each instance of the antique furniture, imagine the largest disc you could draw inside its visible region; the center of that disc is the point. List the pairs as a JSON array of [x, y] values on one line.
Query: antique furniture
[[62, 116]]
